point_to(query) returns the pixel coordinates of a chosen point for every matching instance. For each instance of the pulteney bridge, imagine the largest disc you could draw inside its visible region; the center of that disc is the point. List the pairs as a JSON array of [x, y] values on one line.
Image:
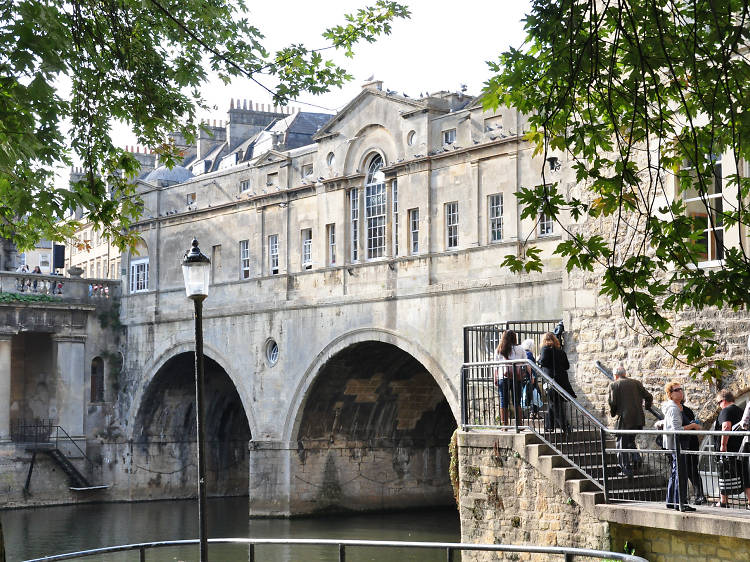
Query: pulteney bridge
[[345, 382]]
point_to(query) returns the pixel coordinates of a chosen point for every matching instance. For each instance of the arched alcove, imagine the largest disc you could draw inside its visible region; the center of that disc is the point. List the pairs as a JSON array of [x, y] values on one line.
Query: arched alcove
[[97, 380]]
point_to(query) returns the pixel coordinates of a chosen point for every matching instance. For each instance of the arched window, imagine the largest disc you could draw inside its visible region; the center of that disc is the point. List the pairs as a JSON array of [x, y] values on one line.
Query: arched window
[[375, 208], [97, 380]]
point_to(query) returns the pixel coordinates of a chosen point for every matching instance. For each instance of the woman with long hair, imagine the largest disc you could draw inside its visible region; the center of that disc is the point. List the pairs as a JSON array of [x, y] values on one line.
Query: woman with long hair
[[509, 375], [554, 363]]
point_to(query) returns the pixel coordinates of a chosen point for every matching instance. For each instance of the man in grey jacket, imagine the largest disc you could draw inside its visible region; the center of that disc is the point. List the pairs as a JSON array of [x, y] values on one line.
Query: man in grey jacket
[[626, 398]]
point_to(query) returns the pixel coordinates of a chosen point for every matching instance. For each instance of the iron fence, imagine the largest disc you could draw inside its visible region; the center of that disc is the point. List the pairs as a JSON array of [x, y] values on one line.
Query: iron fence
[[626, 465], [45, 434], [341, 547], [480, 341]]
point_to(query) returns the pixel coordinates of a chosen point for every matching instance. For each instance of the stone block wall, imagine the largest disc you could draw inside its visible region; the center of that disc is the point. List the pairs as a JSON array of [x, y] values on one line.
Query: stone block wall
[[503, 499], [369, 478]]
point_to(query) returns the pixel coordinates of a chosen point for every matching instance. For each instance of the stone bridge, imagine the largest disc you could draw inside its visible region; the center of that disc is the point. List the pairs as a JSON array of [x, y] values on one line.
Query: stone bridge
[[348, 392]]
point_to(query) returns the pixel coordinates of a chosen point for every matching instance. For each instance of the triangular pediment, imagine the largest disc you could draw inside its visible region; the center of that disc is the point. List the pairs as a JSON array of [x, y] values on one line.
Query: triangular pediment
[[271, 157], [406, 104]]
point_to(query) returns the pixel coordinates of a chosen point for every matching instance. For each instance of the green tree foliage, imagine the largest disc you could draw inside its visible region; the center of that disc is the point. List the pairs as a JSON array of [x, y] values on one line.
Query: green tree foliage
[[83, 64], [643, 96]]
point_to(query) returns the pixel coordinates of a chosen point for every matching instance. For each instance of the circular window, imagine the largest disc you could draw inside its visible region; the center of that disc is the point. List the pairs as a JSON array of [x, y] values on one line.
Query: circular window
[[411, 137], [330, 159], [272, 352]]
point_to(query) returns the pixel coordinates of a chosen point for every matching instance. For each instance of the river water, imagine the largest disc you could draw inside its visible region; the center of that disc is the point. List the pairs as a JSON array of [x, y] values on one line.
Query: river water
[[36, 532]]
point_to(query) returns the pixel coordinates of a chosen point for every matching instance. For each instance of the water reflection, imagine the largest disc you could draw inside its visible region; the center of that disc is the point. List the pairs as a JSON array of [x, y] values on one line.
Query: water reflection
[[31, 533]]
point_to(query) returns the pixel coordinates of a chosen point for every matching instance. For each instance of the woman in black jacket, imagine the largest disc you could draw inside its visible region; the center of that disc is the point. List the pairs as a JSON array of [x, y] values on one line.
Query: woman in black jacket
[[554, 363]]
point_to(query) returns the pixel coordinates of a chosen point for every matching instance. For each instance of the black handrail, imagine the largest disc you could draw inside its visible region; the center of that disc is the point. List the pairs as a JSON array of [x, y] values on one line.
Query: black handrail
[[587, 444]]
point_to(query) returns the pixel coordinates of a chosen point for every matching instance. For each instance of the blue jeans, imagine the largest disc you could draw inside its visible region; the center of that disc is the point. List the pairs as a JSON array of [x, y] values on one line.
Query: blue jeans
[[677, 488]]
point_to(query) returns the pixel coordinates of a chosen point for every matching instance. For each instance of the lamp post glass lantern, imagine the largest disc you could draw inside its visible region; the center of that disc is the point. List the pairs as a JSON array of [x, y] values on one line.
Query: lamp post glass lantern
[[196, 269]]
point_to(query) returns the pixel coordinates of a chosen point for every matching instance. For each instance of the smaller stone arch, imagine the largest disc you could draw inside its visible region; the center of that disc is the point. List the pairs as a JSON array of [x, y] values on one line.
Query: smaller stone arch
[[153, 366], [164, 432]]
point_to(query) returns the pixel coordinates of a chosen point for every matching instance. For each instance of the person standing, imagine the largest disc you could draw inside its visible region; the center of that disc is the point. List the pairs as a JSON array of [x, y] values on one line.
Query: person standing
[[672, 409], [554, 363], [691, 443], [733, 467], [530, 391], [626, 403], [509, 375]]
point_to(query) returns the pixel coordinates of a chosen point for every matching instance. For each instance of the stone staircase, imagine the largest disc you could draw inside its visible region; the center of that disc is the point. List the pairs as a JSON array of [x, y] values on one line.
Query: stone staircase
[[584, 454]]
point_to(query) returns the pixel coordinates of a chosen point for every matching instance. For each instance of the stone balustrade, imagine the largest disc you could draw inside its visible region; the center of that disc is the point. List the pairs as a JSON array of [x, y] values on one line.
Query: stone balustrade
[[67, 289]]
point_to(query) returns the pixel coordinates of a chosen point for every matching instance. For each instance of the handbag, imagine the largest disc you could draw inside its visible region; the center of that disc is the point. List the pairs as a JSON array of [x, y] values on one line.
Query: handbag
[[730, 475]]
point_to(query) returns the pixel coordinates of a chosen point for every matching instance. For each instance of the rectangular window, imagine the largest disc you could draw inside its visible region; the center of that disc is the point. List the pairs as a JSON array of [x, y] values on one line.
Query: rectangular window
[[190, 198], [414, 231], [375, 207], [331, 236], [307, 248], [707, 210], [244, 259], [272, 179], [449, 136], [496, 217], [545, 225], [273, 253], [354, 221], [113, 269], [451, 225], [139, 275], [395, 218], [244, 186]]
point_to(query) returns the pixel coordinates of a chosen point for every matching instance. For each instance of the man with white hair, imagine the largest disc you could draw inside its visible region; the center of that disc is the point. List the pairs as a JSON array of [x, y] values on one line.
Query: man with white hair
[[626, 398]]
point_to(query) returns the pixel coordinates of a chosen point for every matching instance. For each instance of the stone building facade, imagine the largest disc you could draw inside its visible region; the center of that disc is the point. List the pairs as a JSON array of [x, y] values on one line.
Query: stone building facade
[[347, 253]]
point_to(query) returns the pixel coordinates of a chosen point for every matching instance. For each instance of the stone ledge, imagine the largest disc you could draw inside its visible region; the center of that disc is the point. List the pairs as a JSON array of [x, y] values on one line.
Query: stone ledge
[[706, 520]]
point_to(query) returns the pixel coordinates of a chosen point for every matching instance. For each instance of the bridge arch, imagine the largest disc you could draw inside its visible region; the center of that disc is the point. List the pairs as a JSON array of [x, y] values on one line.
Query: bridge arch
[[152, 368], [371, 428], [340, 343], [164, 436]]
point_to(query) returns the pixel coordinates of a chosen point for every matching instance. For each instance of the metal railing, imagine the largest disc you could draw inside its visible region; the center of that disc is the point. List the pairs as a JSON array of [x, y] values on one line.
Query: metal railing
[[44, 433], [480, 341], [341, 548], [609, 458]]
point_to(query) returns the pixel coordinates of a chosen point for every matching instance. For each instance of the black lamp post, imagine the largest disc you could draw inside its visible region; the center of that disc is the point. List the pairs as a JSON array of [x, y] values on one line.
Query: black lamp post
[[196, 270]]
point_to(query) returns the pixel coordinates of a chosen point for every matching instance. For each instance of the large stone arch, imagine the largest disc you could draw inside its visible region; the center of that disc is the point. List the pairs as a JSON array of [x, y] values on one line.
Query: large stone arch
[[158, 362], [338, 344], [372, 430]]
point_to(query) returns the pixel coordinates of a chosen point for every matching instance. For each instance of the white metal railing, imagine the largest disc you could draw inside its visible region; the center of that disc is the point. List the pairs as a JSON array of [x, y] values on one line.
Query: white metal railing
[[341, 546]]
